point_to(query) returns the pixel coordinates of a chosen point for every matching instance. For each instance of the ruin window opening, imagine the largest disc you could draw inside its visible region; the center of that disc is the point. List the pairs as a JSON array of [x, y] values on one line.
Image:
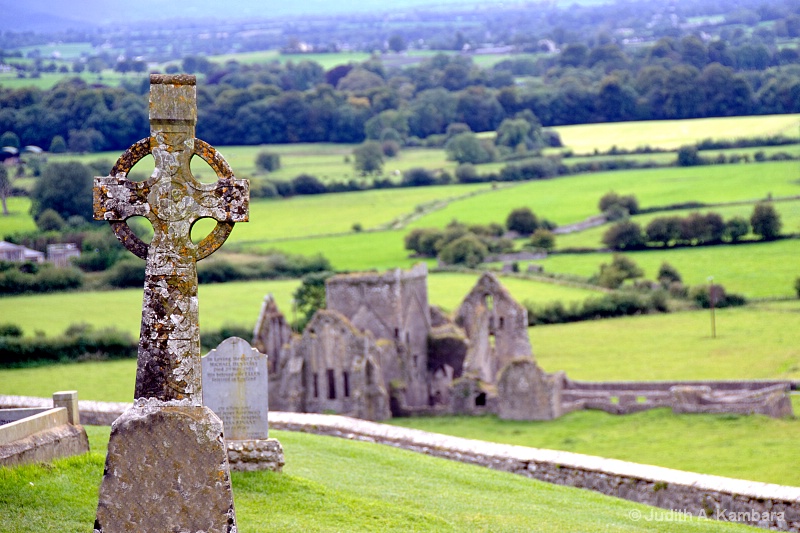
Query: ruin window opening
[[492, 340], [480, 400], [488, 301], [416, 361], [501, 323], [396, 333], [370, 374], [346, 380], [331, 384], [316, 385], [408, 338]]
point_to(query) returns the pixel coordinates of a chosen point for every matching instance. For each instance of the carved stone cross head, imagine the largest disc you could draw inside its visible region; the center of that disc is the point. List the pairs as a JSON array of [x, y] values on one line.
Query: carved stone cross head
[[172, 200]]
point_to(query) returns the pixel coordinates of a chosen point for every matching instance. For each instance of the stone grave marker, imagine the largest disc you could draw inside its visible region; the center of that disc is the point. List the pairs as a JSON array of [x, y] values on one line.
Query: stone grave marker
[[236, 388], [167, 465]]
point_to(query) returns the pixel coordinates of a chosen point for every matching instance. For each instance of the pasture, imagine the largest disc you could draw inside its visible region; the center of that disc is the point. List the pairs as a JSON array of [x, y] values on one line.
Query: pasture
[[229, 303], [757, 448], [671, 134], [757, 270], [758, 341], [574, 198], [593, 238], [371, 488]]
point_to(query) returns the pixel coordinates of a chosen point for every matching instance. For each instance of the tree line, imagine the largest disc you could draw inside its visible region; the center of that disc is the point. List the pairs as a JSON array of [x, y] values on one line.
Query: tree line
[[302, 102]]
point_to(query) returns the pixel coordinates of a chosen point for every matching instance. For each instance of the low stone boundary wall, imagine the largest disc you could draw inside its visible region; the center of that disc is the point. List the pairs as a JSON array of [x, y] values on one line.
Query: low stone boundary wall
[[758, 504], [748, 502]]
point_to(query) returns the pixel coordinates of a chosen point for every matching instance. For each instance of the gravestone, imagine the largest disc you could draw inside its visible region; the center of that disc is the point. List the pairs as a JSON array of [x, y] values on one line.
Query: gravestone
[[236, 388], [167, 467]]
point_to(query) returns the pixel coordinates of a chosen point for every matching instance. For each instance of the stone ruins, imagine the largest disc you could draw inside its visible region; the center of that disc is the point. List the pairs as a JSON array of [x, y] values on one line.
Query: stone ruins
[[167, 464], [380, 350]]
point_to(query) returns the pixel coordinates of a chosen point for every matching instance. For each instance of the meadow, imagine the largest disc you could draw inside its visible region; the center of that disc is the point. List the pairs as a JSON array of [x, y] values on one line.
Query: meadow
[[671, 134], [756, 270], [574, 198], [593, 238], [371, 488], [230, 303]]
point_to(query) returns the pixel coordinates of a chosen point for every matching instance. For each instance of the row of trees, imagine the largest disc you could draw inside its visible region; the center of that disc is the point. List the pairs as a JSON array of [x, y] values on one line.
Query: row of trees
[[301, 102], [694, 229]]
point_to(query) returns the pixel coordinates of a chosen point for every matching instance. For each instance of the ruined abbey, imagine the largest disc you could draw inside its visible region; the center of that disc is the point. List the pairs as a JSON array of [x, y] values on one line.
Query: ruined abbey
[[379, 349]]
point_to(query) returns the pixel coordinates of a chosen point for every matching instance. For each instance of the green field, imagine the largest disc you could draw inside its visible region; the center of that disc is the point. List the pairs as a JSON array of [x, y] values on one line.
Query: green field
[[19, 218], [571, 199], [228, 303], [671, 134], [757, 448], [331, 484], [758, 341], [757, 270], [593, 238]]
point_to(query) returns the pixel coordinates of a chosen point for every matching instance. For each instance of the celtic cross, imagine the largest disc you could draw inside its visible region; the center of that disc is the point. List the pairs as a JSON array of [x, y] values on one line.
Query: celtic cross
[[172, 200]]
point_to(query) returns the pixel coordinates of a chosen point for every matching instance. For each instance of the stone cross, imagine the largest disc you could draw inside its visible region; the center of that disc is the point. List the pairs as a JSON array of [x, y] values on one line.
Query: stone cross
[[172, 200]]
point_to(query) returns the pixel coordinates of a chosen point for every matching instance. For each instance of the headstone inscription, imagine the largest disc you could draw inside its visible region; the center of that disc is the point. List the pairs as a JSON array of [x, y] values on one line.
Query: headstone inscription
[[236, 388], [167, 467]]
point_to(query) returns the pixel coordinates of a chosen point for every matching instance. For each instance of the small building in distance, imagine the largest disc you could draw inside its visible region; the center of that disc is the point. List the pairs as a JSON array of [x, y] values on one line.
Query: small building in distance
[[19, 254]]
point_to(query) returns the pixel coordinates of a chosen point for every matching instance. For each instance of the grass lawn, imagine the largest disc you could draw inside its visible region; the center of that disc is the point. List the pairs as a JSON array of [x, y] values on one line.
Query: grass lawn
[[789, 212], [332, 484], [757, 270], [19, 218], [379, 250], [755, 447], [571, 199], [671, 134], [303, 216], [220, 303], [758, 341]]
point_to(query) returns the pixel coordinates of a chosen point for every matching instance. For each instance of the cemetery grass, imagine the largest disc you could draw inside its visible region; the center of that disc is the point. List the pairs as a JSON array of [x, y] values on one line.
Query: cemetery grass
[[755, 447], [332, 484]]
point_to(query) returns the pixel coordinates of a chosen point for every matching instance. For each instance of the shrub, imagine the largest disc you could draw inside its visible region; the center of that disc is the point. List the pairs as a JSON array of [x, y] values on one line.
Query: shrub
[[614, 274], [307, 184], [625, 235], [209, 340], [126, 274], [78, 342], [10, 330], [612, 200], [467, 250], [766, 221], [797, 286], [466, 173], [268, 161], [422, 241], [543, 239], [50, 220], [418, 177], [701, 294], [688, 156], [736, 228], [608, 306], [663, 230], [522, 220], [668, 274], [390, 148]]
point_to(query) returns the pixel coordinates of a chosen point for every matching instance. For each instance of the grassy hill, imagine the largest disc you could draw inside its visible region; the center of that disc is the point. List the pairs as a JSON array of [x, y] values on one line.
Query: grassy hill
[[332, 484]]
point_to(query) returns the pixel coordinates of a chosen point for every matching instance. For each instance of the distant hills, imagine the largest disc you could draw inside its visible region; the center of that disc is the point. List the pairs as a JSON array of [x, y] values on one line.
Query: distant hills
[[48, 16]]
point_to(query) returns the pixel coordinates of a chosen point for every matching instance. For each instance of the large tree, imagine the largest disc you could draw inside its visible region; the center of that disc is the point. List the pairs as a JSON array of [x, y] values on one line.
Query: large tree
[[766, 221], [66, 188]]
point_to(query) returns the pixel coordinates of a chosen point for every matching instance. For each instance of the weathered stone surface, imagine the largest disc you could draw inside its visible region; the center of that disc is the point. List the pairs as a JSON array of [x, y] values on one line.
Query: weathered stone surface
[[172, 200], [235, 387], [272, 332], [251, 455], [525, 392], [166, 470], [335, 367], [60, 441]]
